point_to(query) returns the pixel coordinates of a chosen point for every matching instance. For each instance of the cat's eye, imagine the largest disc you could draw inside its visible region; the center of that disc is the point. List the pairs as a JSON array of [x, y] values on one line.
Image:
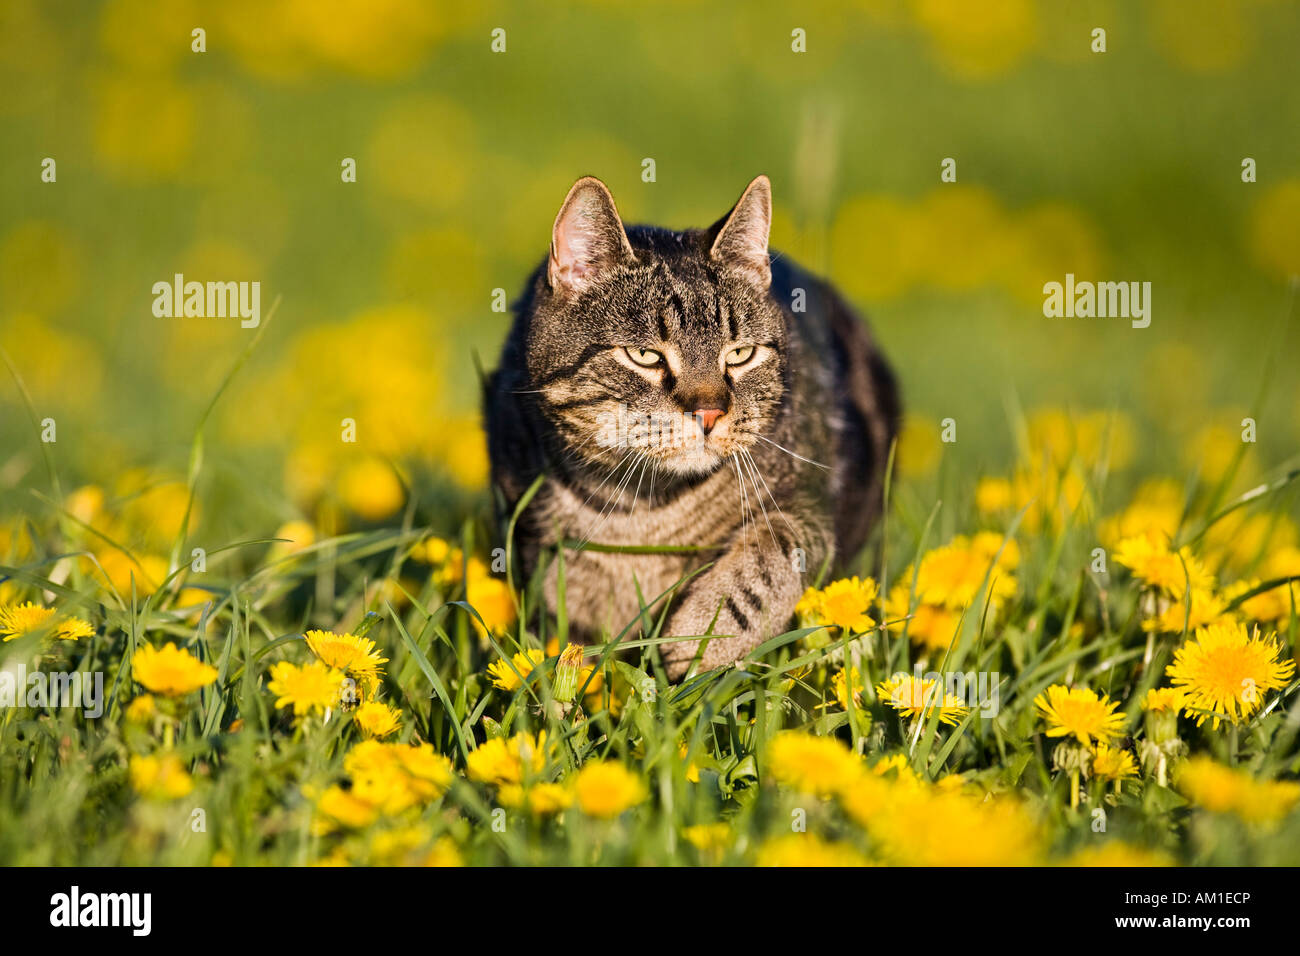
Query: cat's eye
[[645, 357], [740, 355]]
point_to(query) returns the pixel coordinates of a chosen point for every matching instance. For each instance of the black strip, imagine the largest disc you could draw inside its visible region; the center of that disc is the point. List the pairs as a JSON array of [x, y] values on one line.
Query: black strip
[[741, 619], [679, 305], [567, 371], [580, 403]]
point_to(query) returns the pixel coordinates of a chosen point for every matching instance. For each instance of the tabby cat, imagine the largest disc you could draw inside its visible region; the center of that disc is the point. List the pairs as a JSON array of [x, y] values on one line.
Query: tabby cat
[[691, 390]]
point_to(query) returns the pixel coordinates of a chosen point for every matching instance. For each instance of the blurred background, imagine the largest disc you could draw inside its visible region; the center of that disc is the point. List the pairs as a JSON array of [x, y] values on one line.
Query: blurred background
[[225, 165]]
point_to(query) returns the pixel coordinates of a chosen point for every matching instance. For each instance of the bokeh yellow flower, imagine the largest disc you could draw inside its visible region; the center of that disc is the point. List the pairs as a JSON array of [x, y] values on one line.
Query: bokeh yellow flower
[[170, 671], [606, 789], [808, 850], [1219, 789], [160, 777], [501, 760], [811, 764]]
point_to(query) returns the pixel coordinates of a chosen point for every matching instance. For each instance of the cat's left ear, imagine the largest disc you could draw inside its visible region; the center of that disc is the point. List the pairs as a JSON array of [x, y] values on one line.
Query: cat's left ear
[[741, 236]]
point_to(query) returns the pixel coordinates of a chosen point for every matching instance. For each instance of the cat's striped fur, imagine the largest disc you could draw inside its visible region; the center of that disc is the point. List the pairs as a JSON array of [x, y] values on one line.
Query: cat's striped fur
[[776, 465]]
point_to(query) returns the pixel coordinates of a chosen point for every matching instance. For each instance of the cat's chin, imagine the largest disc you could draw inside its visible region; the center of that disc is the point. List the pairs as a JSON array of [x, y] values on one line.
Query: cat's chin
[[694, 462]]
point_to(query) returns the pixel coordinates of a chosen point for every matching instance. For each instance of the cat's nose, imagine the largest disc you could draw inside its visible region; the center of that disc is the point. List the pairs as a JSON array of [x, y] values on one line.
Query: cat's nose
[[707, 417]]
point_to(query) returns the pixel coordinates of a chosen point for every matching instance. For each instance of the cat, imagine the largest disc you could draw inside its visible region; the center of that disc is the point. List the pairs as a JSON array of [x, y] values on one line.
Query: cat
[[692, 390]]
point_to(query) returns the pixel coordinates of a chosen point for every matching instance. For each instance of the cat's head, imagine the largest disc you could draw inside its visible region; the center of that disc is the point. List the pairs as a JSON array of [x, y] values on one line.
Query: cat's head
[[669, 348]]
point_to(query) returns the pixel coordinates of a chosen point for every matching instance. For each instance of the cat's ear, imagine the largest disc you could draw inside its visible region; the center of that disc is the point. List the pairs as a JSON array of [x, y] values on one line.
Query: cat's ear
[[741, 236], [588, 237]]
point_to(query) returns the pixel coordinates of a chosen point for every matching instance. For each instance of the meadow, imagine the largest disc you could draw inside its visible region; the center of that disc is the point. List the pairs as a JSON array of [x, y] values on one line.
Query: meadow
[[1071, 641]]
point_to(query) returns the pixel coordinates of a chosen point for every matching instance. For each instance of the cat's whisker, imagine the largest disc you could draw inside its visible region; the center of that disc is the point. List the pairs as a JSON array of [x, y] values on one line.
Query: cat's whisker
[[789, 452], [753, 476], [646, 461], [604, 481], [754, 466], [740, 495], [636, 456], [747, 517]]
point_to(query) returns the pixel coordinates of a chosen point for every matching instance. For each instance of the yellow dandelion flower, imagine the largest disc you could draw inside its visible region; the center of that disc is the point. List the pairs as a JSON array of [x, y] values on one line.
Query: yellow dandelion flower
[[1080, 713], [809, 608], [343, 808], [445, 853], [932, 626], [1225, 670], [298, 535], [170, 671], [492, 599], [846, 603], [346, 652], [606, 789], [710, 838], [1154, 564], [506, 761], [1112, 763], [541, 799], [371, 488], [1116, 853], [396, 777], [692, 771], [142, 709], [993, 496], [1206, 608], [806, 850], [817, 765], [1219, 789], [508, 678], [432, 550], [312, 687], [1155, 511], [161, 777], [1163, 700], [1267, 607], [425, 764], [942, 827], [840, 683], [953, 575], [913, 697], [18, 620], [377, 720]]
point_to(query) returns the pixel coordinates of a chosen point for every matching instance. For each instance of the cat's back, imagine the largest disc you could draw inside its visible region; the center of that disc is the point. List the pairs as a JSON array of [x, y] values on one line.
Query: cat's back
[[864, 408]]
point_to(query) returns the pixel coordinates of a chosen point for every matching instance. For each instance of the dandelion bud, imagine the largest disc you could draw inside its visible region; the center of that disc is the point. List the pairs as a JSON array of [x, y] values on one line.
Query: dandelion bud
[[1071, 757], [567, 673]]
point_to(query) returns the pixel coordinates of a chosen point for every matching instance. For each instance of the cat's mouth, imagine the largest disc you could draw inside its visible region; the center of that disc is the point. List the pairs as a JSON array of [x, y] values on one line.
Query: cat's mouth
[[679, 442], [699, 449]]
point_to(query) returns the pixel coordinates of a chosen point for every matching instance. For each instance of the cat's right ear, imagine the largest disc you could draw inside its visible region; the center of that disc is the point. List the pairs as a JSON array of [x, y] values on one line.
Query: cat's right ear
[[588, 237]]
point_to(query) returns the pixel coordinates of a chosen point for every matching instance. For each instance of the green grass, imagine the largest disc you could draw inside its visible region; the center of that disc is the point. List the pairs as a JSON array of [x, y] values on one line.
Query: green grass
[[701, 747]]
